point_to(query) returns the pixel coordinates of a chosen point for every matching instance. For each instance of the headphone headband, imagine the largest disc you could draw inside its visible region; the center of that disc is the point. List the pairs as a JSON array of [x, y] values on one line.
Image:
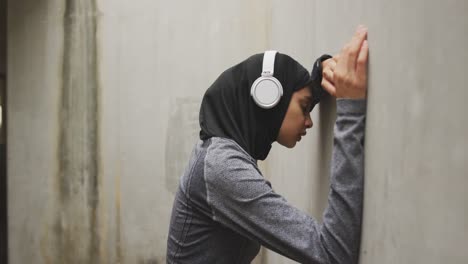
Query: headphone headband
[[269, 62]]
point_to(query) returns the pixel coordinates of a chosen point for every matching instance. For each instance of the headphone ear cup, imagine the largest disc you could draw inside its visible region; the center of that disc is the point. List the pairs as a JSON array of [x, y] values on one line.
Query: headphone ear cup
[[266, 92]]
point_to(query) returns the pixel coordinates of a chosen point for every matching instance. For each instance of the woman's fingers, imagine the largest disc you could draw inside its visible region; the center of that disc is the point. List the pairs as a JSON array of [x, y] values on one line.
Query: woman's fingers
[[328, 73], [329, 87], [328, 67], [336, 57], [332, 64], [350, 75], [361, 65], [329, 64], [355, 46]]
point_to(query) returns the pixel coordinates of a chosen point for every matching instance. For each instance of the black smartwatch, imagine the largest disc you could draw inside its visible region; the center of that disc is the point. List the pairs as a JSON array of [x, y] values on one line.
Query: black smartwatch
[[316, 75]]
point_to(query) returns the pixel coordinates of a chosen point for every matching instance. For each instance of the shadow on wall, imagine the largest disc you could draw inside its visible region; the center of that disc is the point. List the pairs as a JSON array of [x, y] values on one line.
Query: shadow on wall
[[327, 117]]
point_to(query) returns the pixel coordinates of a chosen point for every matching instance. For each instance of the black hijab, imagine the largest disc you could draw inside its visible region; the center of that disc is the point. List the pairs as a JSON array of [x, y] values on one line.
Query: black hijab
[[228, 110]]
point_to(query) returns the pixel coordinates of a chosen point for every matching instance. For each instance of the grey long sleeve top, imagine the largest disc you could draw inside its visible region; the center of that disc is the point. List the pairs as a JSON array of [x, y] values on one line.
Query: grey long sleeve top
[[225, 209]]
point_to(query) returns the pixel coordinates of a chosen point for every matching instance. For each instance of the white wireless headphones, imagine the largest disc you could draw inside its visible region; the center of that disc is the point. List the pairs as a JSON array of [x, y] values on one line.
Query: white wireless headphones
[[267, 90]]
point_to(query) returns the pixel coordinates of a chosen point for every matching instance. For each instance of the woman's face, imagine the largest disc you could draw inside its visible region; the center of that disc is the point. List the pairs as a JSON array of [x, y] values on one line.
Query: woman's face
[[297, 118]]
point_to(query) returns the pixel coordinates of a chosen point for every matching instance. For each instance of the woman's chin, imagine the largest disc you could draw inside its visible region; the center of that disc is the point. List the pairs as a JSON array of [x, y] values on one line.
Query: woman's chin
[[287, 144]]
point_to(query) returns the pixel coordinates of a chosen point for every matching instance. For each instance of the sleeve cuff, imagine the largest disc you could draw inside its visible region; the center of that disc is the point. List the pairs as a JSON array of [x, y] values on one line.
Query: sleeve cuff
[[351, 106]]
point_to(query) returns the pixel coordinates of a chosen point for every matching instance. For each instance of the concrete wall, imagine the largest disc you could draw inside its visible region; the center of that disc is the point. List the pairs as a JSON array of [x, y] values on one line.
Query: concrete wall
[[103, 109], [417, 129]]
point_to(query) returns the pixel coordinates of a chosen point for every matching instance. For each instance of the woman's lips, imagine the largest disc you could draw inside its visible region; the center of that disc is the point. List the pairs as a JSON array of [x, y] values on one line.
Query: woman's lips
[[301, 135]]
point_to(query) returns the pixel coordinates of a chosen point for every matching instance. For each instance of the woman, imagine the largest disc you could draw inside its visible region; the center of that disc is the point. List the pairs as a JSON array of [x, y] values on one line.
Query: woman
[[224, 209]]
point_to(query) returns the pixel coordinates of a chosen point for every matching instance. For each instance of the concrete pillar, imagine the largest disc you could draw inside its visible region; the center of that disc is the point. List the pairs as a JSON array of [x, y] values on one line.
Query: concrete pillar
[[104, 108], [103, 101]]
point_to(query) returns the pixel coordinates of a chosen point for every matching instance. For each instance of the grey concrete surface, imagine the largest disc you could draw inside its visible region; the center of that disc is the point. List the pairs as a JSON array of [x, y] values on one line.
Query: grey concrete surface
[[417, 135], [103, 113]]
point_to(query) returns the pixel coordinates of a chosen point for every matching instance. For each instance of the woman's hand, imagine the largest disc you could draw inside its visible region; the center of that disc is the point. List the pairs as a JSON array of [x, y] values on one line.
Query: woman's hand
[[345, 75], [328, 66]]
